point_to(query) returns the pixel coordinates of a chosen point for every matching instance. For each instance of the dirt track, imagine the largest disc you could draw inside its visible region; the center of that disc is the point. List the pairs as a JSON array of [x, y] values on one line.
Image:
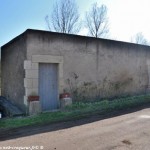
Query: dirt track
[[130, 131]]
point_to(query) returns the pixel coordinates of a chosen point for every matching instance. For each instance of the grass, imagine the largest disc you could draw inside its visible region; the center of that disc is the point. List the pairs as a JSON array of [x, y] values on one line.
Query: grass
[[76, 111]]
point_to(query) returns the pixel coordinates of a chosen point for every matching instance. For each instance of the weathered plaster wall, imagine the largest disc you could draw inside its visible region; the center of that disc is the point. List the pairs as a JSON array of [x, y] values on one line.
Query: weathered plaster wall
[[94, 68], [12, 61], [88, 68]]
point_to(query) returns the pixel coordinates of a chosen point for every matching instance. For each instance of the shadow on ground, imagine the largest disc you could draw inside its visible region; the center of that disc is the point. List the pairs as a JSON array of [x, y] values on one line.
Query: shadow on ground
[[7, 134]]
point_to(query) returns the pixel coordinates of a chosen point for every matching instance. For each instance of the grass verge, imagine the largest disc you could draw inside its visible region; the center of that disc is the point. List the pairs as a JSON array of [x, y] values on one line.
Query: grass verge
[[77, 111]]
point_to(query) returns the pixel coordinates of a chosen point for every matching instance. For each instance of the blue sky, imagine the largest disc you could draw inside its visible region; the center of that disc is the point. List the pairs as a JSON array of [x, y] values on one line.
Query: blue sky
[[126, 17]]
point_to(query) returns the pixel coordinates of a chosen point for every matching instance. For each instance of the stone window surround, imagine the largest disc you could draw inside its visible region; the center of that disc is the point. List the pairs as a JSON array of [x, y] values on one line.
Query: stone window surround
[[31, 80]]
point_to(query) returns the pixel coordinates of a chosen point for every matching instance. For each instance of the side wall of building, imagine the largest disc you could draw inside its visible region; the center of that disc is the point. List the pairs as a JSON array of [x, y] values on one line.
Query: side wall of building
[[12, 62], [94, 68]]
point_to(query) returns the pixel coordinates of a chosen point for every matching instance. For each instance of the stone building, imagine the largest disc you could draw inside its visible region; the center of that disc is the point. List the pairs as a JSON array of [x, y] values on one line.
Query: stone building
[[46, 64]]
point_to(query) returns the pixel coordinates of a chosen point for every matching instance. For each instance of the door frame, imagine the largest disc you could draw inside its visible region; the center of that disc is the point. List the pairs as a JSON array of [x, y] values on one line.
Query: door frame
[[31, 80]]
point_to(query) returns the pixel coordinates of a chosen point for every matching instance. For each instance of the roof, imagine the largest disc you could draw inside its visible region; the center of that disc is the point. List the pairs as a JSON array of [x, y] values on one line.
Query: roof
[[33, 31]]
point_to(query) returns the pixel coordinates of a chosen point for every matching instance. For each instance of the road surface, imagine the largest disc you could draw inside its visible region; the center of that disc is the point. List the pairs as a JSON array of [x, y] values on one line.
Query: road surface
[[126, 132]]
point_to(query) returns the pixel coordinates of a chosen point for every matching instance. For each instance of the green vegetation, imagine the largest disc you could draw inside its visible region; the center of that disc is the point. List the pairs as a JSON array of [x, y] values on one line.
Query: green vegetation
[[76, 111]]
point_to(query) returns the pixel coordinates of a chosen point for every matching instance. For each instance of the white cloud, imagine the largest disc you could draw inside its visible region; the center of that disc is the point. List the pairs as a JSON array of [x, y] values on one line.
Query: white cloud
[[128, 18], [83, 31]]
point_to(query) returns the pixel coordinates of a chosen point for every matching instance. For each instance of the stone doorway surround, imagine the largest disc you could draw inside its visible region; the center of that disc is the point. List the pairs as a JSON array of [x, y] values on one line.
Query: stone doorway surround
[[31, 80], [148, 67]]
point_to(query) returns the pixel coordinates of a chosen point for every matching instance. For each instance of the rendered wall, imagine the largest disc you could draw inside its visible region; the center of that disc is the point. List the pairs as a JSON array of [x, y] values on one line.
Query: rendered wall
[[89, 68], [12, 61], [94, 68]]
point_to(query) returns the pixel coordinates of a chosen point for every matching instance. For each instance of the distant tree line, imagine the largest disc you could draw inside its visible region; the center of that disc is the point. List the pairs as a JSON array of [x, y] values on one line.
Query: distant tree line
[[140, 39]]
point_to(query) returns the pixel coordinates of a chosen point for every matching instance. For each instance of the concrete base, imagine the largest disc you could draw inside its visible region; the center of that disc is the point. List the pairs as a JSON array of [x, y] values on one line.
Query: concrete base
[[34, 107], [65, 102]]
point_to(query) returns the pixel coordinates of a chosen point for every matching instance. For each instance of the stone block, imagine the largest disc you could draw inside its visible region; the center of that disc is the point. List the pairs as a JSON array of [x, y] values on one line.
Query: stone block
[[34, 107], [61, 89], [27, 64], [61, 81], [35, 83], [31, 73], [26, 100], [31, 91], [28, 83], [61, 70], [65, 102], [47, 59], [35, 66], [28, 91]]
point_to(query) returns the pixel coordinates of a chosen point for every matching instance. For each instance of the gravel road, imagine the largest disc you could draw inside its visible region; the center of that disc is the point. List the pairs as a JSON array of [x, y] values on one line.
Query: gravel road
[[126, 132]]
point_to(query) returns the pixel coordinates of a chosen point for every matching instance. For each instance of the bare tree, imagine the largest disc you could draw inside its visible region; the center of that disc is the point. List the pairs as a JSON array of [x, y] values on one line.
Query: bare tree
[[139, 39], [64, 17], [97, 21], [47, 22]]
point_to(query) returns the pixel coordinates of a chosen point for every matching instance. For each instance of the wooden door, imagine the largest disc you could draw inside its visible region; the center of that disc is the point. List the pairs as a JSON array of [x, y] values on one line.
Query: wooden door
[[48, 86]]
